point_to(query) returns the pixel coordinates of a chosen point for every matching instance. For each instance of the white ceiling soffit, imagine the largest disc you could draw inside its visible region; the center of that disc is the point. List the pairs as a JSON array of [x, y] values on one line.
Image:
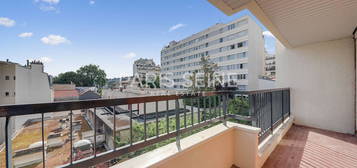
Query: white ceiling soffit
[[300, 22]]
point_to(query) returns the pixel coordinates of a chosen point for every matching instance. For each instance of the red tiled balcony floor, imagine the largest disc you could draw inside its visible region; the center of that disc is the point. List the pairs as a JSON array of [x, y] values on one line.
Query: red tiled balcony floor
[[309, 147]]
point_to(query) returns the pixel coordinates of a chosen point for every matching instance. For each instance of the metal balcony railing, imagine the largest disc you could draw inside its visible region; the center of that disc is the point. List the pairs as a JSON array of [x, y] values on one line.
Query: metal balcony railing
[[263, 108]]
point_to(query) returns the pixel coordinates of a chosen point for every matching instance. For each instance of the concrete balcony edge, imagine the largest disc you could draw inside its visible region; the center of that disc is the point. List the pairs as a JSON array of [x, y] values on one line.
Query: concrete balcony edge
[[159, 156], [266, 147]]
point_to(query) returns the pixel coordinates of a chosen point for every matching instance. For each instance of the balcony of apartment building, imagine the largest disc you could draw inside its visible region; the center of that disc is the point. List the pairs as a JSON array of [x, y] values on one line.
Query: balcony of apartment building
[[183, 130], [309, 122]]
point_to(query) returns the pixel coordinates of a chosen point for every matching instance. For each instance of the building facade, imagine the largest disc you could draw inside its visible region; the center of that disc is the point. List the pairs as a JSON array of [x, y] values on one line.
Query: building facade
[[270, 68], [65, 92], [22, 85], [143, 67], [236, 47]]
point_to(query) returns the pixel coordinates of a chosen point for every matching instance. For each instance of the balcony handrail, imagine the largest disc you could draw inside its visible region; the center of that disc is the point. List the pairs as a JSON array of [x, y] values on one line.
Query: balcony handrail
[[38, 108], [255, 97]]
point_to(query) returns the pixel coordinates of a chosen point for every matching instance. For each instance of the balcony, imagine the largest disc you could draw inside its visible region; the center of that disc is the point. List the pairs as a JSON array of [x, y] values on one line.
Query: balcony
[[81, 133], [311, 147]]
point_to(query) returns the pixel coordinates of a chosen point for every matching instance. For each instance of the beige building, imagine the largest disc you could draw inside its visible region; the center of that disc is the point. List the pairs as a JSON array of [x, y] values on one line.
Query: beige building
[[22, 85], [236, 47]]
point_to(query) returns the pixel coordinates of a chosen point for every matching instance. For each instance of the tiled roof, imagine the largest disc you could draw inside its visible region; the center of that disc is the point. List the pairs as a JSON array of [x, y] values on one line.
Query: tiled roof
[[65, 94]]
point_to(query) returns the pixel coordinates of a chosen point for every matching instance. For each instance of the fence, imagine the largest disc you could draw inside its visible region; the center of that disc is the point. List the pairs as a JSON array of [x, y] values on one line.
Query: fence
[[160, 118]]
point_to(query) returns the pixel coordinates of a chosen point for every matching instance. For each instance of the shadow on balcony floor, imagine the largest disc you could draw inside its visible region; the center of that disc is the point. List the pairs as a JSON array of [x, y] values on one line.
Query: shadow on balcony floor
[[309, 147]]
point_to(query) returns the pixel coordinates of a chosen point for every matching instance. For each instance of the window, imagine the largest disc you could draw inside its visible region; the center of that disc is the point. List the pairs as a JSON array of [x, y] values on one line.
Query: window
[[240, 66], [240, 45], [206, 44], [232, 26], [14, 77], [7, 77], [232, 47], [221, 40], [7, 93]]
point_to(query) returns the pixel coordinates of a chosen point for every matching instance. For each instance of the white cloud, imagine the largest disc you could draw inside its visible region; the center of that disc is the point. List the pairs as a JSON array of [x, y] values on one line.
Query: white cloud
[[25, 35], [48, 8], [48, 5], [6, 22], [91, 2], [49, 1], [54, 40], [177, 26], [130, 55], [268, 34]]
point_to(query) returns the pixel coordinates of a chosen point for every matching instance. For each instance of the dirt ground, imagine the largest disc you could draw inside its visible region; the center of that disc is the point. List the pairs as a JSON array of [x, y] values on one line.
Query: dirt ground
[[32, 134]]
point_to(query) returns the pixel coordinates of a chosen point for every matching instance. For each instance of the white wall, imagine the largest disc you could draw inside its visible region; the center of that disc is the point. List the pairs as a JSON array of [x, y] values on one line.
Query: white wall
[[256, 54], [321, 78], [32, 85], [356, 79], [266, 84], [6, 86], [7, 69]]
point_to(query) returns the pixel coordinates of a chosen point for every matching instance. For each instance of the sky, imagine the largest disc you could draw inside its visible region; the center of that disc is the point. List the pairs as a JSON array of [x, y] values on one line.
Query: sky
[[68, 34]]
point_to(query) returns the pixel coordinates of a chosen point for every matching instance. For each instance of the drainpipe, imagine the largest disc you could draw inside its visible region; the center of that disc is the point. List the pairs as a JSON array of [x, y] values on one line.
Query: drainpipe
[[355, 77]]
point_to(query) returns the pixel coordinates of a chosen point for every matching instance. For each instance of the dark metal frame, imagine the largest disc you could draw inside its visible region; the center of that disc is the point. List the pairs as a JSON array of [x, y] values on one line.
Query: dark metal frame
[[258, 100]]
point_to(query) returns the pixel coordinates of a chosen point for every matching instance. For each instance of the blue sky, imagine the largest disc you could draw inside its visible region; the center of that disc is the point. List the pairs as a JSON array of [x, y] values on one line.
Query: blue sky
[[67, 34]]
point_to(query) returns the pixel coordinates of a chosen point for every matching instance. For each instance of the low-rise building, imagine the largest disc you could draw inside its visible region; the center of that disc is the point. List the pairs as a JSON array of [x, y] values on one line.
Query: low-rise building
[[65, 92], [89, 95], [23, 84]]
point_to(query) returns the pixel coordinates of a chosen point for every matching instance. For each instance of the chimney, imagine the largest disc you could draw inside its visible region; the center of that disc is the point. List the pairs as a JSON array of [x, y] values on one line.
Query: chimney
[[7, 60], [28, 63]]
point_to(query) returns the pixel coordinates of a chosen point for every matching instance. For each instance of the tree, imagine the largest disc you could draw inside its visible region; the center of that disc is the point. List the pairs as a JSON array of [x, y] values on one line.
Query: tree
[[67, 77], [193, 79], [208, 68], [155, 84], [92, 75], [89, 75]]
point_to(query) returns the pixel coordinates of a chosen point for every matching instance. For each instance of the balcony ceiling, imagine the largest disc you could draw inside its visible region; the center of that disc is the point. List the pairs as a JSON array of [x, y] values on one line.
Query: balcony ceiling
[[299, 22]]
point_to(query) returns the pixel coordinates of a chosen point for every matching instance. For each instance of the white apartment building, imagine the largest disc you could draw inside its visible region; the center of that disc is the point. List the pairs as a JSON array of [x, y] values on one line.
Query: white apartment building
[[236, 47], [270, 68], [22, 85], [144, 66]]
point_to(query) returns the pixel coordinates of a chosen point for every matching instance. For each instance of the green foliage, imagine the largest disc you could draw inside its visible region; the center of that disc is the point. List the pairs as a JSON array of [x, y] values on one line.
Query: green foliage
[[239, 105], [89, 75], [208, 68], [138, 135], [66, 78], [235, 106], [211, 101], [92, 75], [155, 84]]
